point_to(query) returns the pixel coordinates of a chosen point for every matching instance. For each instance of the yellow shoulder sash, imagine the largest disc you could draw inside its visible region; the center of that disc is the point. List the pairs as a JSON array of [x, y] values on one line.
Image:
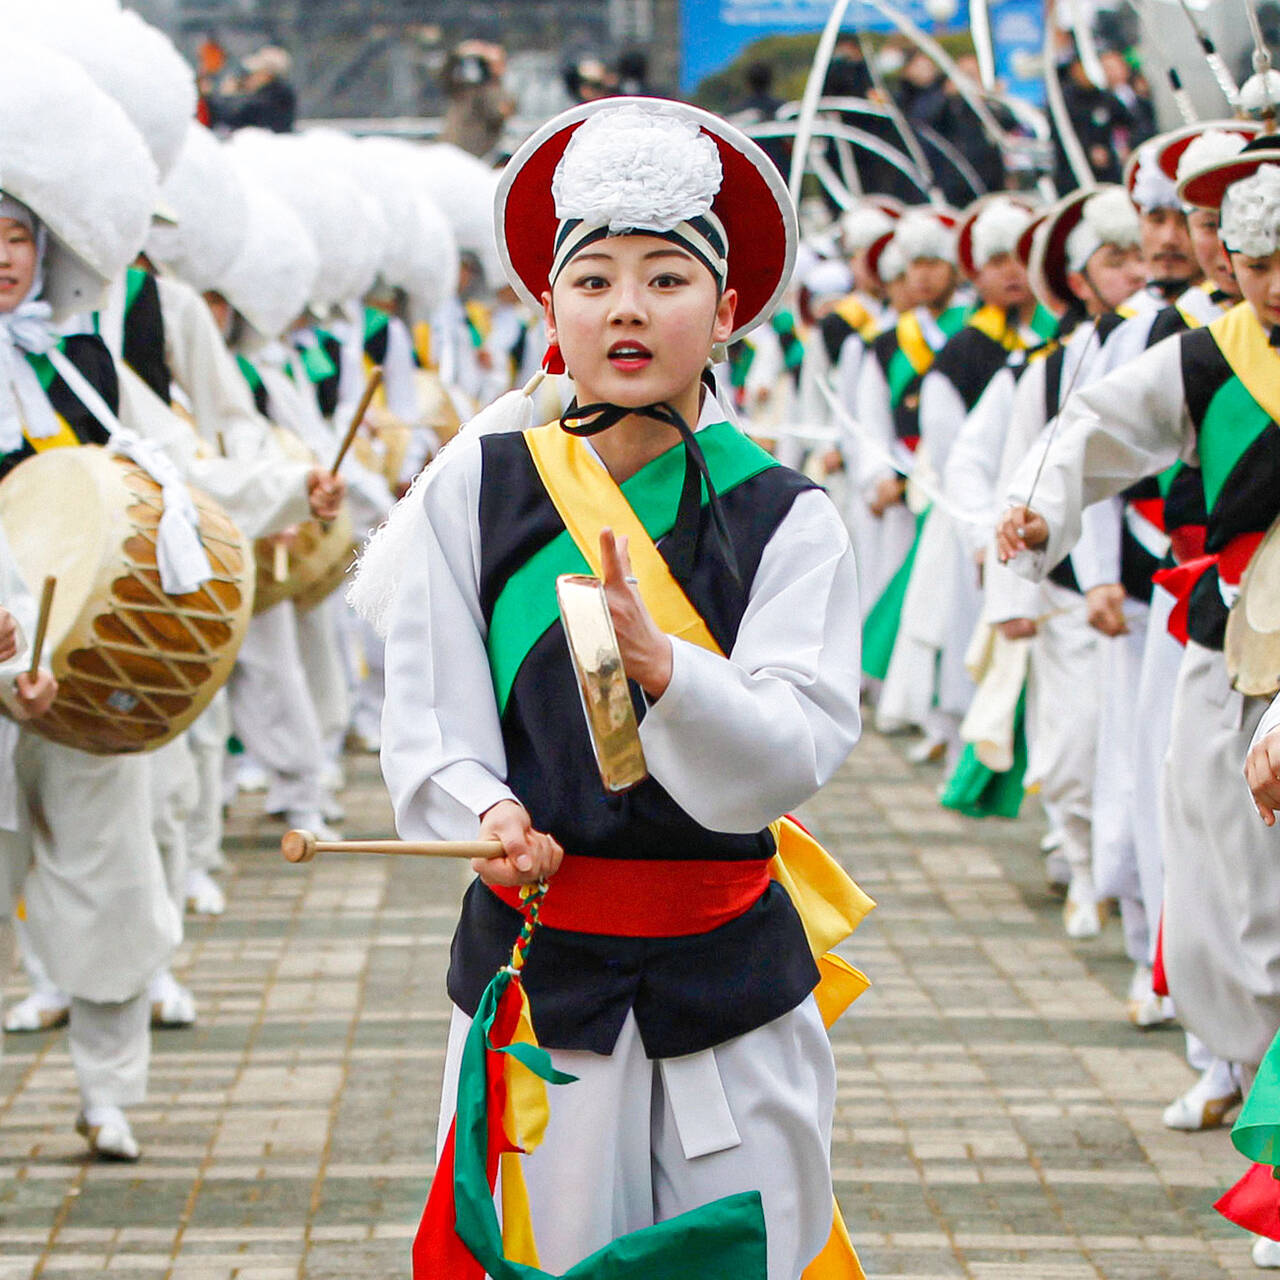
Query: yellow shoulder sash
[[829, 903], [1243, 343]]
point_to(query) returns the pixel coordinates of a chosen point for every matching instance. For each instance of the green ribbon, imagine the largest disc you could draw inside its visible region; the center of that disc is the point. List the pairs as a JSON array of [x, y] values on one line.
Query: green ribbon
[[979, 792], [723, 1240], [880, 630]]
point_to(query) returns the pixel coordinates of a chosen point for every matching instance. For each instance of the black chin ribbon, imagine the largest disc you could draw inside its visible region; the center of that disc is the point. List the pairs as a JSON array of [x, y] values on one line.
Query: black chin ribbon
[[682, 543]]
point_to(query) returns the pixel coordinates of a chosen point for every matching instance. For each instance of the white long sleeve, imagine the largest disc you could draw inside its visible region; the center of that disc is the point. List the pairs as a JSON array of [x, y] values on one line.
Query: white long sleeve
[[876, 416], [942, 415], [972, 472], [1130, 424], [736, 741], [739, 741]]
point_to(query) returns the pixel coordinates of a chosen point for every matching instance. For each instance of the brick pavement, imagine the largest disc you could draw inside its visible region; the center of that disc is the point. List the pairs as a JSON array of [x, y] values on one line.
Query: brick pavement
[[996, 1116]]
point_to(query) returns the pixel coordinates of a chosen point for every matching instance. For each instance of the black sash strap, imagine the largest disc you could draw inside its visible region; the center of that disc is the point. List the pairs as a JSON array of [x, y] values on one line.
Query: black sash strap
[[591, 419]]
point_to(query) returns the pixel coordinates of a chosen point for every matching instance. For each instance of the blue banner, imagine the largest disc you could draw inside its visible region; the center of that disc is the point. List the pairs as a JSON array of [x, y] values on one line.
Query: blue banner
[[714, 32], [1017, 32]]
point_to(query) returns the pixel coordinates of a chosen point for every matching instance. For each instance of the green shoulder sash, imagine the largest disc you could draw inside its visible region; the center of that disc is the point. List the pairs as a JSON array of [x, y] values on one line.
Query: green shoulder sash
[[526, 608]]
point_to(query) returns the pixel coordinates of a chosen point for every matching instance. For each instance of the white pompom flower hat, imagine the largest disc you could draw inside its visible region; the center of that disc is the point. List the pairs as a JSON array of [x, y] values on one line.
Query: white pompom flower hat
[[648, 166]]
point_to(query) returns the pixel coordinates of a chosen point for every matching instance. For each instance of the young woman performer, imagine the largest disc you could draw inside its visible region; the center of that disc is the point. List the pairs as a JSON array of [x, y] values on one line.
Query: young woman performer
[[671, 975]]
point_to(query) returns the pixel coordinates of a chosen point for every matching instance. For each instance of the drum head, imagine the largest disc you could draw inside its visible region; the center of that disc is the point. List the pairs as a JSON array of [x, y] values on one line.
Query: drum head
[[59, 519], [1252, 646]]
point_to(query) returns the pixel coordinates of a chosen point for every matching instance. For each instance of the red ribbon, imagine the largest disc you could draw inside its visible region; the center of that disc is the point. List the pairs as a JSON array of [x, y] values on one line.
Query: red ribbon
[[1181, 580]]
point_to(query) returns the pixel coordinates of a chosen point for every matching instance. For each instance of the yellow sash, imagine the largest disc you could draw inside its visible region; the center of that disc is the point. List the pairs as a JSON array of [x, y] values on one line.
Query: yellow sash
[[852, 311], [912, 342], [1243, 343], [829, 903], [63, 438]]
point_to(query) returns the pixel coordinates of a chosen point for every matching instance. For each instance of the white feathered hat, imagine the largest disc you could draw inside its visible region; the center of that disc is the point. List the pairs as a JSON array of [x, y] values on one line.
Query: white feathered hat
[[69, 153], [126, 57], [464, 189], [1073, 231], [206, 192], [346, 228], [421, 254], [273, 277]]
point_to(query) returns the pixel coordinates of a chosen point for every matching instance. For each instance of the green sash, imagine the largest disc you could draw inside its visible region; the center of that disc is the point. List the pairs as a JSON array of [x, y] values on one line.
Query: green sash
[[526, 608]]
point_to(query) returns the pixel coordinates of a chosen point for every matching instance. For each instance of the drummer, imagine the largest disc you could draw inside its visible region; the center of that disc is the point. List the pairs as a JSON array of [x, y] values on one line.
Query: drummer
[[730, 742], [90, 870], [1207, 395]]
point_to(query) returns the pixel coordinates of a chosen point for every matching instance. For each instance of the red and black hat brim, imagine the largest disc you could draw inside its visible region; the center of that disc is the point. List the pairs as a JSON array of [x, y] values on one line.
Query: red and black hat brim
[[1205, 188], [753, 204], [1170, 146]]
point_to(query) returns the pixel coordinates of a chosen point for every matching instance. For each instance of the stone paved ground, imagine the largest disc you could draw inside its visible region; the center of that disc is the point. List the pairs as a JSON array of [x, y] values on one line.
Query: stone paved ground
[[997, 1118]]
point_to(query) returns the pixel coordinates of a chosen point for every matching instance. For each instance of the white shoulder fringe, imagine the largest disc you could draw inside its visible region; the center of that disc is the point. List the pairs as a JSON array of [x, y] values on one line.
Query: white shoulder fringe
[[373, 590]]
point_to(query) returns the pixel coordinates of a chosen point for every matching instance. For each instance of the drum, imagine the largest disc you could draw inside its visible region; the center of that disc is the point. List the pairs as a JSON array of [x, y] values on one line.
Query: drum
[[317, 561], [1252, 643], [135, 666]]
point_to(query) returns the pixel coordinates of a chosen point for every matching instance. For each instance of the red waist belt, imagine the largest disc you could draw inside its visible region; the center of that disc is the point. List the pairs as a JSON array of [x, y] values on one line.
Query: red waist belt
[[1180, 581], [643, 898]]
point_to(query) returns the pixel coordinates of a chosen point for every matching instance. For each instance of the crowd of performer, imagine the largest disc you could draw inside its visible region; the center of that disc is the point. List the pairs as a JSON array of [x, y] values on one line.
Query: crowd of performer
[[1049, 427]]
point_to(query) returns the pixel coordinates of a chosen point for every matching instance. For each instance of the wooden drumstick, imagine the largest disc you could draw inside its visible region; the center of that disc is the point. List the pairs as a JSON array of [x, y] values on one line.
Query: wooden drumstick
[[302, 846], [370, 390], [42, 624]]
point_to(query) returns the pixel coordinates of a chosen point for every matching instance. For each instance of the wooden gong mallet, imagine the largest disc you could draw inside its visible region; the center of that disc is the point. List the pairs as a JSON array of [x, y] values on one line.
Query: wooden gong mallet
[[302, 846]]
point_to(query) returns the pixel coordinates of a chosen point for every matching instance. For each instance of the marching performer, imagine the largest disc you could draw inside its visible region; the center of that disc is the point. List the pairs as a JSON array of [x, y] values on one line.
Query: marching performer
[[1206, 396], [927, 682], [98, 916], [702, 1066], [888, 408]]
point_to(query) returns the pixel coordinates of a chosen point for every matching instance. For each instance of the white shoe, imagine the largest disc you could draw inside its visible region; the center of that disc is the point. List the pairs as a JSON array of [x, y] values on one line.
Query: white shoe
[[1207, 1103], [1266, 1253], [40, 1011], [331, 809], [310, 820], [1057, 870], [1051, 840], [172, 1005], [333, 777], [204, 896], [927, 751], [251, 776], [1145, 1008], [108, 1133]]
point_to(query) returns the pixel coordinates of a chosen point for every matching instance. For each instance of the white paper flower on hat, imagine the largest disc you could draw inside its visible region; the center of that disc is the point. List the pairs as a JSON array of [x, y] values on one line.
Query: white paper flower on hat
[[1151, 188], [861, 227], [996, 230], [1251, 214], [1259, 97], [637, 167], [892, 265], [1210, 147], [1107, 218], [921, 235]]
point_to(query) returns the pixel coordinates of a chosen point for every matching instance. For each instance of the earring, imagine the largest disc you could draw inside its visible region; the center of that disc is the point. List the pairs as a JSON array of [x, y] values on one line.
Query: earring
[[553, 361]]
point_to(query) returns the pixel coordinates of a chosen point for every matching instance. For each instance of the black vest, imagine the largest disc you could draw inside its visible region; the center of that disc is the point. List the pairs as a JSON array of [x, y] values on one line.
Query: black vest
[[687, 993]]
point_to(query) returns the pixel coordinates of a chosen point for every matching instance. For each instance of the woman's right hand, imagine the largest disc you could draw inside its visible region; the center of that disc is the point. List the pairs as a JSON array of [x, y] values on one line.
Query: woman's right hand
[[529, 855]]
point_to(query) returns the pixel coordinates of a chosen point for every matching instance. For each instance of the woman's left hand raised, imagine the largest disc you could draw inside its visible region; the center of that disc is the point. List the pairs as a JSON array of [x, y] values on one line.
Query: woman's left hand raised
[[646, 650]]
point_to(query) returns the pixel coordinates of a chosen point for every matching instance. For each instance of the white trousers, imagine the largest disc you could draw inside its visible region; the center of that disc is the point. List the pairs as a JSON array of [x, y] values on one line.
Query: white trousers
[[275, 716], [1222, 869], [1161, 658], [321, 645], [1117, 815], [99, 920], [84, 860], [110, 1047], [637, 1141]]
